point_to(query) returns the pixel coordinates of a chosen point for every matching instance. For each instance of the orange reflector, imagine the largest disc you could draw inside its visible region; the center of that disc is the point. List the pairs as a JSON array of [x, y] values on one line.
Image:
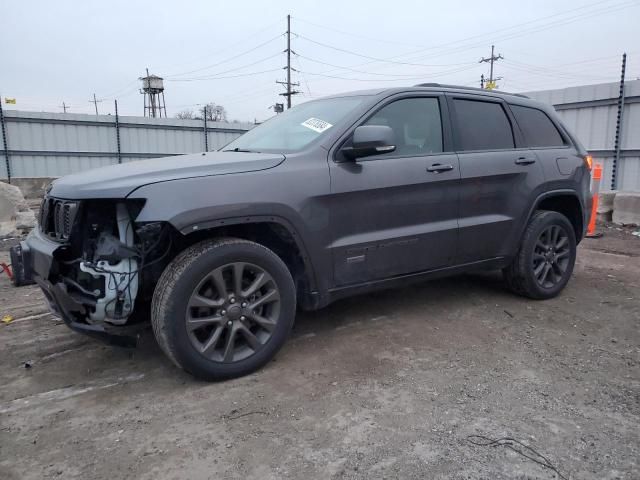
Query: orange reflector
[[597, 171], [588, 159]]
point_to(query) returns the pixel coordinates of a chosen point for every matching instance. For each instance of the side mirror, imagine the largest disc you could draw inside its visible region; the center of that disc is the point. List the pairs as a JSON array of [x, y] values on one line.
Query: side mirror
[[371, 140]]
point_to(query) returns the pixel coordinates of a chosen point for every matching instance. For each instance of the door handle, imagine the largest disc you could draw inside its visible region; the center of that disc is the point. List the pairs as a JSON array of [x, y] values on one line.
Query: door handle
[[525, 161], [438, 168]]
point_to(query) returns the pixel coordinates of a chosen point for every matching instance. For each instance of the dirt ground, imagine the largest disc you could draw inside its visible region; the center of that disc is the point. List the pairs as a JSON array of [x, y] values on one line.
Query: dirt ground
[[389, 385]]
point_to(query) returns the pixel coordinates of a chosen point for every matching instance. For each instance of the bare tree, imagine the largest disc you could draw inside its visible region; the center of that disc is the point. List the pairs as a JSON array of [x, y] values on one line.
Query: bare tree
[[215, 112], [186, 115]]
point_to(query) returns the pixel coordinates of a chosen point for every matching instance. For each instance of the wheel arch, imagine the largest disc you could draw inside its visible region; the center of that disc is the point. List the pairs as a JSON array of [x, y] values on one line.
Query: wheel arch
[[274, 233], [566, 202]]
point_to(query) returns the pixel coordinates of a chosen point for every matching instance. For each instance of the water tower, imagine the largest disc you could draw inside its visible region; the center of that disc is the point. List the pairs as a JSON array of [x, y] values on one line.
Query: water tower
[[153, 91]]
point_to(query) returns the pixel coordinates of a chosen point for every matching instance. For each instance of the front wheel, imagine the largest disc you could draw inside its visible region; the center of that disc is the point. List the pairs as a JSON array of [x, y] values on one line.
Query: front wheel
[[544, 263], [223, 308]]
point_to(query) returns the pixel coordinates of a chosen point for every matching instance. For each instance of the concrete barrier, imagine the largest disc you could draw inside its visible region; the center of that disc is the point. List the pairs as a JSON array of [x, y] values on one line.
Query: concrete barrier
[[626, 208], [605, 205], [15, 214]]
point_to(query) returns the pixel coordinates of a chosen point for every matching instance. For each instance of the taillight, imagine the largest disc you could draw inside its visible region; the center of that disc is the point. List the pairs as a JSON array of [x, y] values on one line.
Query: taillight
[[588, 160]]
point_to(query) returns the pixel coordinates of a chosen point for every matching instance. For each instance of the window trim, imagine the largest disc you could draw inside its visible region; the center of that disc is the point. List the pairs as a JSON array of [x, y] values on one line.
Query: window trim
[[565, 139], [518, 140], [445, 120]]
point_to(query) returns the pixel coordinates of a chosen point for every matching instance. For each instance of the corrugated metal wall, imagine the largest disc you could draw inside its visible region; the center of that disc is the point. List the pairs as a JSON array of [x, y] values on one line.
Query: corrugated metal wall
[[590, 112], [55, 144]]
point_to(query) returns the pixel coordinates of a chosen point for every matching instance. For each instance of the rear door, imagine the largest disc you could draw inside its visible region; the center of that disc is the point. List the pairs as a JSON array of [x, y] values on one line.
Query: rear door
[[499, 176], [558, 157], [396, 213]]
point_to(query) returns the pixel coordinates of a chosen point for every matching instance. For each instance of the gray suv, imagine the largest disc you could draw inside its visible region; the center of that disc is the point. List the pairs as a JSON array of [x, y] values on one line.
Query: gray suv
[[335, 197]]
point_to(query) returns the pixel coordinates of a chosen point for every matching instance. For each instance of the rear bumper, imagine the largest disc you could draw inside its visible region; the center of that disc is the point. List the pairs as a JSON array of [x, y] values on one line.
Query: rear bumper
[[36, 256]]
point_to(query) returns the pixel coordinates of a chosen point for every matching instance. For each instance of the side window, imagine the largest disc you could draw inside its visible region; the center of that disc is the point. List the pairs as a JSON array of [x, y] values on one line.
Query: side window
[[482, 125], [537, 128], [416, 124]]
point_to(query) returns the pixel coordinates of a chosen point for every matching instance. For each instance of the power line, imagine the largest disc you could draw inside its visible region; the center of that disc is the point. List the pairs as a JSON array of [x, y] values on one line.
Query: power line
[[550, 71], [116, 92], [551, 74], [249, 74], [214, 75], [518, 33], [369, 57], [227, 59], [250, 36], [351, 34], [418, 77], [538, 28], [373, 73], [439, 46]]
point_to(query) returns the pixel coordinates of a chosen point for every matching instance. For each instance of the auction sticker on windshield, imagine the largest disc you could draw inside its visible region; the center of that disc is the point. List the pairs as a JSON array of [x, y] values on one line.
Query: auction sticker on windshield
[[316, 125]]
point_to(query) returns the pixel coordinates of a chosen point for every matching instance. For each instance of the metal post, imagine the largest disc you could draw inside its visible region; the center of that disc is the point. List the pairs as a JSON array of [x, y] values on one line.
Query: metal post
[[118, 132], [288, 61], [4, 142], [206, 136], [619, 127]]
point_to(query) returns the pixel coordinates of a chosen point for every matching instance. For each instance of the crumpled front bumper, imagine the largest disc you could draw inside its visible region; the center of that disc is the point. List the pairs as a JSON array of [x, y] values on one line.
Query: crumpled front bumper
[[36, 257]]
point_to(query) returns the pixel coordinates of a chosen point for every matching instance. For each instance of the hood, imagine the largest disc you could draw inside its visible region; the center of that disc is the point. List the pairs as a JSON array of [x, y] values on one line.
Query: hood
[[118, 181]]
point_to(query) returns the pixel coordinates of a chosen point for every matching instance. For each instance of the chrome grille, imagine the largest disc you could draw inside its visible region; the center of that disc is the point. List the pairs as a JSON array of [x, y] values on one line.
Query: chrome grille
[[57, 217]]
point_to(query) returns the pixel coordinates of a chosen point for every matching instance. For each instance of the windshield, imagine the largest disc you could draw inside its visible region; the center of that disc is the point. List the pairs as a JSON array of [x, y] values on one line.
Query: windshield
[[297, 127]]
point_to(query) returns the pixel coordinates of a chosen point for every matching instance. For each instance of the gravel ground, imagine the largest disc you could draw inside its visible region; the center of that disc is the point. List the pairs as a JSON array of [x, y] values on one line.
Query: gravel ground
[[389, 385]]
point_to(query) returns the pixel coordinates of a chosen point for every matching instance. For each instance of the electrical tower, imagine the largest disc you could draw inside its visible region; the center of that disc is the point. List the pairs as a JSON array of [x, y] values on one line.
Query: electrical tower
[[153, 91], [288, 83], [491, 83]]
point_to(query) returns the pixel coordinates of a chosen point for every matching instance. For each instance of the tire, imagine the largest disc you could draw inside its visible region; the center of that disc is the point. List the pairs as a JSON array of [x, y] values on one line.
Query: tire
[[193, 320], [526, 274], [19, 274]]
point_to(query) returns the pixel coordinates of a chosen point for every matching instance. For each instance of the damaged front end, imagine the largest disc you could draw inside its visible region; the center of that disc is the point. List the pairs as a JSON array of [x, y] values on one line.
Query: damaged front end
[[96, 266]]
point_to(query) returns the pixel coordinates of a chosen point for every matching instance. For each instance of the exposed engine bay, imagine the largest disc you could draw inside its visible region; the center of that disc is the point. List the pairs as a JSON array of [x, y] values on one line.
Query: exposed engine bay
[[108, 258]]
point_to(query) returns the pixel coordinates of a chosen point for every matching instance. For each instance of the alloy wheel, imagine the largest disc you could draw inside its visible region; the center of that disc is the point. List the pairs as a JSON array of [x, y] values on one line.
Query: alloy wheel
[[551, 256], [233, 312]]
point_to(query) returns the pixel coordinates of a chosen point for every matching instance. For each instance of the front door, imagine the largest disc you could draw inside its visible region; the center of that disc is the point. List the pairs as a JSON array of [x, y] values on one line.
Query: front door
[[396, 213]]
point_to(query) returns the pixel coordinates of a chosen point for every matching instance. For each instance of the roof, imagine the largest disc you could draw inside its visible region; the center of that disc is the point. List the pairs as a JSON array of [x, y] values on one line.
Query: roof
[[434, 87]]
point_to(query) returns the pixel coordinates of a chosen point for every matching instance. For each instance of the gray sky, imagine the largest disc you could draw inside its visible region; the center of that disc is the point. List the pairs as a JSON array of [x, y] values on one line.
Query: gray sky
[[230, 51]]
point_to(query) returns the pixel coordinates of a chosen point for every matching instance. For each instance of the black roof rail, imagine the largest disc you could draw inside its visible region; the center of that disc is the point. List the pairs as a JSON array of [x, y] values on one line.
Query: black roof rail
[[461, 87]]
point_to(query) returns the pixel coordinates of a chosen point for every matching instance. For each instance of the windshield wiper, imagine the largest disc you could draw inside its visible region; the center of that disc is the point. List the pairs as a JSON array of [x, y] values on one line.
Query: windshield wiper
[[244, 150]]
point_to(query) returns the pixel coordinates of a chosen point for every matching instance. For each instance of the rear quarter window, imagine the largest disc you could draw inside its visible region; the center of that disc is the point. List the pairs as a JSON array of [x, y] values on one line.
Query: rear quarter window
[[537, 127], [482, 125]]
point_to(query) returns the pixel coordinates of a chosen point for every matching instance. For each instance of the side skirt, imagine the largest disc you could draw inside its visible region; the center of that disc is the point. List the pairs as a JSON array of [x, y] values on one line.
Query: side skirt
[[411, 278]]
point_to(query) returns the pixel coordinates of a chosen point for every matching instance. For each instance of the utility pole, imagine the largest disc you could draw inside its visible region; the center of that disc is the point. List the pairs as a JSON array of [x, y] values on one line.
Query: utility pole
[[95, 102], [288, 83], [619, 126], [490, 85], [64, 107]]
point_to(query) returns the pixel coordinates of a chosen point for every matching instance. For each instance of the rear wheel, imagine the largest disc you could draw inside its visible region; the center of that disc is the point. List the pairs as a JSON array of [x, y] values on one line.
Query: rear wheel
[[223, 308], [544, 263]]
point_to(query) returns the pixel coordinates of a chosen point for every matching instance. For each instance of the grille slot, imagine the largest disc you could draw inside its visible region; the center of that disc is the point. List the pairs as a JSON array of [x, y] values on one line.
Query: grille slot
[[57, 217]]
